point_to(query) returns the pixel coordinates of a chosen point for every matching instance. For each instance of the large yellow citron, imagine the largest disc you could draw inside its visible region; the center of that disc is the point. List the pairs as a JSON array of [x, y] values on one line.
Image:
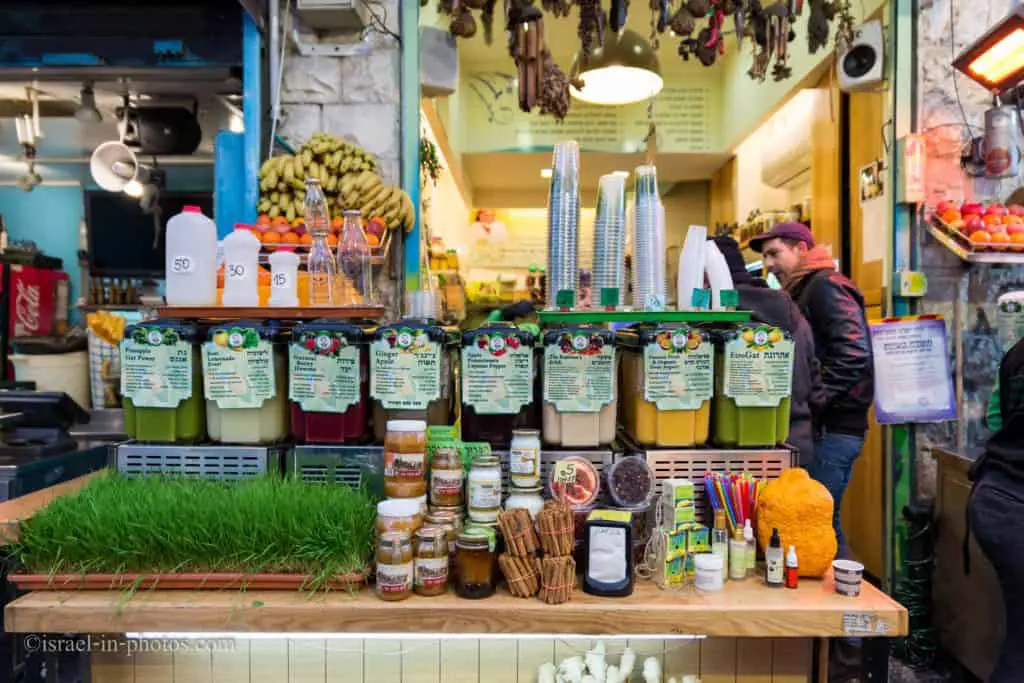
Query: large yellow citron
[[801, 509]]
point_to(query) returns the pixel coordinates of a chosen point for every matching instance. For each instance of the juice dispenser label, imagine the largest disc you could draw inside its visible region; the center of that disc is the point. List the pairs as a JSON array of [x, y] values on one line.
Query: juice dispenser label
[[758, 370], [238, 369], [156, 368], [678, 370], [579, 373], [324, 374], [497, 374], [405, 369]]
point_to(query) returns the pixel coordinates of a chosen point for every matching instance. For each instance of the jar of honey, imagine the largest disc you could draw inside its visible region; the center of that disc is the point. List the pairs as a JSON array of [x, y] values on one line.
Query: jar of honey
[[431, 561], [394, 566], [446, 477], [405, 459], [474, 565]]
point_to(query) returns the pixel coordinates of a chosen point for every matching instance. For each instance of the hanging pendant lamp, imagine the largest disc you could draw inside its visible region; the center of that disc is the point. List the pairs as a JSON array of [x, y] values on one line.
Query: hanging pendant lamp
[[623, 70]]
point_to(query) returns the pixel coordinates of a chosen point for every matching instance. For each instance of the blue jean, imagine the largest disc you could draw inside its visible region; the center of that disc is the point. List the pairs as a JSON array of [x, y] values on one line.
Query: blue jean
[[834, 455]]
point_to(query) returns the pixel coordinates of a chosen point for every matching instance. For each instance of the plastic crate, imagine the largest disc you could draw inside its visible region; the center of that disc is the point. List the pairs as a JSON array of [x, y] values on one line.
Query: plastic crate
[[355, 466], [213, 461]]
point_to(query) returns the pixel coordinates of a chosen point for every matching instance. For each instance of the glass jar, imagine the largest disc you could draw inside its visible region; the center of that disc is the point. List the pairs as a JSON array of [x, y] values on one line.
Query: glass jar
[[500, 383], [474, 565], [329, 383], [411, 373], [399, 514], [580, 387], [431, 563], [405, 447], [450, 523], [667, 385], [528, 499], [446, 477], [245, 381], [484, 489], [524, 458], [394, 566], [162, 378]]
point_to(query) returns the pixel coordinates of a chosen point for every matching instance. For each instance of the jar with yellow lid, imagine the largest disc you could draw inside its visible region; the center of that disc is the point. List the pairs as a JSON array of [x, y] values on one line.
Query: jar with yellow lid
[[667, 377]]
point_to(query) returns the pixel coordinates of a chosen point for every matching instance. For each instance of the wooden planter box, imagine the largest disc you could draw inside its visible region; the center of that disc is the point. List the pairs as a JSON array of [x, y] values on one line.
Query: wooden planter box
[[213, 581]]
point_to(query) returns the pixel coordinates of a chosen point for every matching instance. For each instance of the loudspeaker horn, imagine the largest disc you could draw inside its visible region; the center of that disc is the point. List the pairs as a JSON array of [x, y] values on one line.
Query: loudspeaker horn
[[113, 165]]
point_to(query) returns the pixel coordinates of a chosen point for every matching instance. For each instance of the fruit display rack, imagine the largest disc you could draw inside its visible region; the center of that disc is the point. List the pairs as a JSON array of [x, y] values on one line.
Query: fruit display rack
[[979, 234]]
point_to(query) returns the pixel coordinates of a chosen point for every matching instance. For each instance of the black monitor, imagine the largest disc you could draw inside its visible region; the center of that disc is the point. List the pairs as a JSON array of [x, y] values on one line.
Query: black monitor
[[123, 240]]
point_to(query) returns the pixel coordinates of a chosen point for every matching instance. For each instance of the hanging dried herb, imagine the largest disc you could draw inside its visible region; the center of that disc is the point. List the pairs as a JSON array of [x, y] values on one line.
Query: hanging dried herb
[[464, 25], [683, 23], [591, 25], [817, 26], [487, 19], [699, 8], [430, 164], [559, 8], [554, 91]]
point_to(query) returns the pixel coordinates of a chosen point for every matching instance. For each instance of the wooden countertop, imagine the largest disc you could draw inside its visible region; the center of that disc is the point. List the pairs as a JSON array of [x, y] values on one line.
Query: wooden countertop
[[743, 609], [13, 511]]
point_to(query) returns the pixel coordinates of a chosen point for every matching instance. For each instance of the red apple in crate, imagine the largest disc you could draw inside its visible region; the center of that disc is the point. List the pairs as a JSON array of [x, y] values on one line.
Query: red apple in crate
[[376, 226], [972, 224], [972, 208], [1015, 210], [1015, 229], [996, 210], [945, 206]]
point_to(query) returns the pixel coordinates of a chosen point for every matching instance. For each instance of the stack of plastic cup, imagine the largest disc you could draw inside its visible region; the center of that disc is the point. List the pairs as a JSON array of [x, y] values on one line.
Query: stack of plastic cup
[[423, 304], [610, 237], [648, 243], [563, 221]]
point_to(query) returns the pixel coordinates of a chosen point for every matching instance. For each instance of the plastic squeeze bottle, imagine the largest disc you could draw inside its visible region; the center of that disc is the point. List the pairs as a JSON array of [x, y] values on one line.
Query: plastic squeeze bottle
[[241, 265], [284, 270], [190, 263], [773, 572], [792, 569]]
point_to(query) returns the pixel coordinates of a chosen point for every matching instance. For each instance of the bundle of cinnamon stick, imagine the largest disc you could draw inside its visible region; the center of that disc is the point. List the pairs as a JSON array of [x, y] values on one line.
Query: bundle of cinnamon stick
[[556, 529], [558, 579], [517, 529], [521, 573]]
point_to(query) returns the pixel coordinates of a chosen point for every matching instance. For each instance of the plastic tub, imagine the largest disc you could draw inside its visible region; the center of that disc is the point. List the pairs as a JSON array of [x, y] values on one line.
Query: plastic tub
[[667, 385], [500, 383], [411, 377], [580, 393], [329, 383], [753, 383], [631, 482], [162, 380], [67, 372], [576, 479], [245, 380]]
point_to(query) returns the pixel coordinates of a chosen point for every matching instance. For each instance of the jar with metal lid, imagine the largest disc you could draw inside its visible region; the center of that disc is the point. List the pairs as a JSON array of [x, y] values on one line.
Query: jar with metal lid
[[431, 563], [450, 523], [405, 459], [394, 566], [474, 565], [527, 498], [524, 458], [484, 489], [446, 476], [399, 514]]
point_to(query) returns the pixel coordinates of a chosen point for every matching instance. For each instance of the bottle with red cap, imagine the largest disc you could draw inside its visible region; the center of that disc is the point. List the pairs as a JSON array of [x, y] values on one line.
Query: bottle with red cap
[[191, 259]]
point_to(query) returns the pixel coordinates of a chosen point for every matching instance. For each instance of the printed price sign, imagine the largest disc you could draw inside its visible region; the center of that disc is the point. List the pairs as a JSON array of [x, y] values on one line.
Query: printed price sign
[[565, 473], [183, 264]]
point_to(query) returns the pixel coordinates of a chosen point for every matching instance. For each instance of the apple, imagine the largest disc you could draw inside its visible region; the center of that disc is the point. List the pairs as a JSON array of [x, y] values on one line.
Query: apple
[[1016, 210], [1015, 229], [996, 210], [972, 208], [945, 206], [973, 224]]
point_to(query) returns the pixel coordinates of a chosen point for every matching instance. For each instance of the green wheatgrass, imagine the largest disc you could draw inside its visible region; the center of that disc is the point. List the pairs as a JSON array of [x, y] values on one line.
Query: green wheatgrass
[[155, 525]]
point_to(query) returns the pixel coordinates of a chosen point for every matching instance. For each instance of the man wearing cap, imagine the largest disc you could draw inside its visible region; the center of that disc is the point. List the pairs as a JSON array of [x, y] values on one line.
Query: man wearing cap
[[834, 307]]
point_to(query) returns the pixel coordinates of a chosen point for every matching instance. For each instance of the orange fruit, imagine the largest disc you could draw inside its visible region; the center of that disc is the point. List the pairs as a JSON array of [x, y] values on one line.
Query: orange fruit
[[332, 240], [1010, 219], [280, 220], [264, 219], [992, 219], [1018, 240], [372, 240], [980, 239], [271, 237], [306, 239], [289, 238], [336, 224], [1000, 240], [950, 216]]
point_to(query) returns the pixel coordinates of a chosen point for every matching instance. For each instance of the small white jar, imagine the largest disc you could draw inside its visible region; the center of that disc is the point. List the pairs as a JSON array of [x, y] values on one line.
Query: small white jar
[[524, 458], [528, 499], [709, 571], [484, 489]]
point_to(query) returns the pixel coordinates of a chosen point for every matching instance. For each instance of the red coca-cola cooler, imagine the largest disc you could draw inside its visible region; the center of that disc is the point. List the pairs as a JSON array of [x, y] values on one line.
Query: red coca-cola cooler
[[33, 300]]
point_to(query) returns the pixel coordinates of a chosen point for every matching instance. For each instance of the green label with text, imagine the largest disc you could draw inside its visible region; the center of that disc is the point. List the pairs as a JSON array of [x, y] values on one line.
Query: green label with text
[[156, 368], [238, 369], [758, 369], [678, 370], [324, 373], [405, 369], [497, 374], [579, 373]]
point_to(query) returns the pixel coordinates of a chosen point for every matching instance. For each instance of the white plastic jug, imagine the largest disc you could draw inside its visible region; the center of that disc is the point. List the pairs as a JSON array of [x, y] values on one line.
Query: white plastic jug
[[191, 259], [284, 272], [241, 268]]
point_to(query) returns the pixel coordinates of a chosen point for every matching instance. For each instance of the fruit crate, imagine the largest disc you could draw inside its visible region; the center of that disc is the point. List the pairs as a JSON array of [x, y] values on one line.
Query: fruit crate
[[354, 466], [378, 252], [992, 228], [209, 461], [693, 464]]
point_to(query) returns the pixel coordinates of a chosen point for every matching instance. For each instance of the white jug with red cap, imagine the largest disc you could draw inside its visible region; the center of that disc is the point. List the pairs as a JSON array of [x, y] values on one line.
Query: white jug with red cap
[[191, 259]]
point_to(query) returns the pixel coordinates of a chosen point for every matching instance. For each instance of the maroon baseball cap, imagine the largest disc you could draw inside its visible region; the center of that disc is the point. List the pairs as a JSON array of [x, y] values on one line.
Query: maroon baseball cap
[[787, 231]]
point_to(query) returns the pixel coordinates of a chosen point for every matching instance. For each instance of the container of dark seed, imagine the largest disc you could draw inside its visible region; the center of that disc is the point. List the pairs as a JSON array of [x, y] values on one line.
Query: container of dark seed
[[630, 485]]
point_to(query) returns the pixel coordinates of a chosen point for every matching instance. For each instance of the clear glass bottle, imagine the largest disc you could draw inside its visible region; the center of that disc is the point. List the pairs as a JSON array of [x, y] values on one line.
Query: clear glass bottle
[[720, 541], [321, 260], [354, 272]]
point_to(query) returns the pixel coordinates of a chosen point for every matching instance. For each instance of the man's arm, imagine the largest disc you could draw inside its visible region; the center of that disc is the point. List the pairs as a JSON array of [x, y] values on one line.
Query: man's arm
[[841, 327]]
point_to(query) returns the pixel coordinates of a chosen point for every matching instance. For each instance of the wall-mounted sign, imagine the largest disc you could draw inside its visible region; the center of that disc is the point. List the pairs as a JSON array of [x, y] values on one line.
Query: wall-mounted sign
[[913, 382]]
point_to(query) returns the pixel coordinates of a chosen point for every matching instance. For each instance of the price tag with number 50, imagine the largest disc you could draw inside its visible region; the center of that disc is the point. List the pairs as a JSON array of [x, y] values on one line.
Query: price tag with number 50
[[236, 271], [183, 265]]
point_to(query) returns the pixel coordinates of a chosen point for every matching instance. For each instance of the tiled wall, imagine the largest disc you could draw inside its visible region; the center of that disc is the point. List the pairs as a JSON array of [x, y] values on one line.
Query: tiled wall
[[715, 660]]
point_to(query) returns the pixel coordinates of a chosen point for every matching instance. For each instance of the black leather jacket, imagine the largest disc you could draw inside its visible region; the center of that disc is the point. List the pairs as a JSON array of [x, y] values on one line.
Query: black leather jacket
[[834, 307]]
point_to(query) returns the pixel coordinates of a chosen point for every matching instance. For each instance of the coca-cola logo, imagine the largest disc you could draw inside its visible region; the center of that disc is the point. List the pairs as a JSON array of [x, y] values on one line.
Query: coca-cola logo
[[27, 300]]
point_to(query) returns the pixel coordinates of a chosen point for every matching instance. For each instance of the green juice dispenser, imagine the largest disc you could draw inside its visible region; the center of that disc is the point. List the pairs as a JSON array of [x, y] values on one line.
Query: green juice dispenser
[[753, 386]]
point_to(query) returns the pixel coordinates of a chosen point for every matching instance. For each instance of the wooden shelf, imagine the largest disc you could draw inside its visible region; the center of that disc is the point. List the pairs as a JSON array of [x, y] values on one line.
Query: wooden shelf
[[271, 313], [597, 316], [971, 256], [15, 510], [743, 609]]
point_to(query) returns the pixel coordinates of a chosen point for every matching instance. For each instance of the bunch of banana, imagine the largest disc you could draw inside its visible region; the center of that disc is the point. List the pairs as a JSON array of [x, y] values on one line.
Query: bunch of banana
[[282, 179], [367, 193]]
